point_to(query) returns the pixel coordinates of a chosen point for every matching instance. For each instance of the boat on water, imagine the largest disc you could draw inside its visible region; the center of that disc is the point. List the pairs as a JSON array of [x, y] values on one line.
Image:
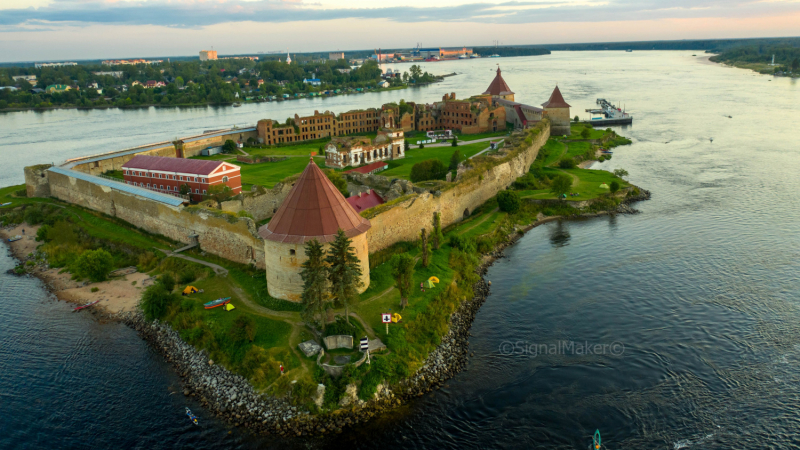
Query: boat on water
[[237, 104], [15, 238], [463, 57], [494, 56], [192, 417], [217, 302], [474, 55], [78, 308]]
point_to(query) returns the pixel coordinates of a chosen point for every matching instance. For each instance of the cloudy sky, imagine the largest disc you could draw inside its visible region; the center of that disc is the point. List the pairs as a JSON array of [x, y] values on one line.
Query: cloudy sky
[[33, 30]]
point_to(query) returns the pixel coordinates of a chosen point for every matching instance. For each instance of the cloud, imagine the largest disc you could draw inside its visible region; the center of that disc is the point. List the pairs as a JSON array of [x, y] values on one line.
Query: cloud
[[202, 13]]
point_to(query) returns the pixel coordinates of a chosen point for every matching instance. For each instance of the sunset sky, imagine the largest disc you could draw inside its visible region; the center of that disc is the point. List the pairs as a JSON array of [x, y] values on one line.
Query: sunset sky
[[38, 30]]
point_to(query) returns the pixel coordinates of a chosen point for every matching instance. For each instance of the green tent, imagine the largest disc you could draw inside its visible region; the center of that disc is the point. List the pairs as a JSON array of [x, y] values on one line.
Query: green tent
[[429, 284]]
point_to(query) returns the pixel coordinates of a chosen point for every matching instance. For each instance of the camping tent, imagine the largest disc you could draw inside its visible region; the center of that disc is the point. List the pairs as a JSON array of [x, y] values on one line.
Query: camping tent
[[429, 284], [190, 290], [434, 279], [229, 307], [604, 186]]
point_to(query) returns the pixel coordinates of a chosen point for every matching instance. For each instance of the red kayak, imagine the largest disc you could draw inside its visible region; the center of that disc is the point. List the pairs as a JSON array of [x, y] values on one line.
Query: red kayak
[[86, 305]]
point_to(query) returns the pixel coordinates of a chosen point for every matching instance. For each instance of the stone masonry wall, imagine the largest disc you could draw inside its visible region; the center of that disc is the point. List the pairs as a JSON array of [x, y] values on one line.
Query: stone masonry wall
[[116, 162], [36, 182], [261, 203], [404, 221], [236, 241]]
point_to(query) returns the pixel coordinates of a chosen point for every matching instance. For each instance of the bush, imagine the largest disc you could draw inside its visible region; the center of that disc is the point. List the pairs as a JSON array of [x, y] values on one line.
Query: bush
[[614, 186], [244, 213], [455, 142], [567, 163], [156, 300], [462, 243], [94, 265], [340, 326], [94, 289], [41, 234], [33, 215], [167, 282], [229, 146], [431, 169], [147, 262], [586, 132], [421, 145], [187, 276], [243, 328], [508, 201]]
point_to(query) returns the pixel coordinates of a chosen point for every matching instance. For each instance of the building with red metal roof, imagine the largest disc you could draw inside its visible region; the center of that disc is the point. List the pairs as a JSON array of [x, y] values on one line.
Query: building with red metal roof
[[313, 210], [370, 168], [167, 175], [364, 201]]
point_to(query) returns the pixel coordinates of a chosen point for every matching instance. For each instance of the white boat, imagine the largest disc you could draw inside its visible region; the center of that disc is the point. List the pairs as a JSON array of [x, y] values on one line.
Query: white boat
[[463, 56], [494, 56], [474, 55]]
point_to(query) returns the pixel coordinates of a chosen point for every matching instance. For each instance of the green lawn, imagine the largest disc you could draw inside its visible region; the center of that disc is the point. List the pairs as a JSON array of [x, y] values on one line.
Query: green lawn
[[401, 168], [588, 185], [577, 148], [269, 173], [576, 128], [115, 174], [217, 157], [554, 149]]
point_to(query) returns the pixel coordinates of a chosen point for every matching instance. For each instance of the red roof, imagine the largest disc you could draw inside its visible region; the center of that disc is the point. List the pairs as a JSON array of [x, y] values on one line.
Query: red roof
[[314, 209], [361, 202], [369, 167], [556, 100], [498, 86], [179, 165]]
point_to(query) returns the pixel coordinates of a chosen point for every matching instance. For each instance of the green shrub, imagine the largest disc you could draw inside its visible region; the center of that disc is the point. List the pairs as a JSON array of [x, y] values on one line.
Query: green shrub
[[508, 201], [94, 265], [242, 329], [167, 282], [340, 326], [244, 213], [41, 234], [94, 289], [462, 243], [33, 215], [586, 132], [567, 163], [431, 169], [614, 186], [147, 262], [156, 300], [187, 276]]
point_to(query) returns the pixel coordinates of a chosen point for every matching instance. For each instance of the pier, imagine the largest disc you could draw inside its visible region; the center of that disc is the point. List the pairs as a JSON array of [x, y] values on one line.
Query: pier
[[611, 114]]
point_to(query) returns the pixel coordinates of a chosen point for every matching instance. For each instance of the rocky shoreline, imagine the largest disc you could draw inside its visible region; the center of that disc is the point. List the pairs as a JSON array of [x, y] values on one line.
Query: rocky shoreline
[[233, 399]]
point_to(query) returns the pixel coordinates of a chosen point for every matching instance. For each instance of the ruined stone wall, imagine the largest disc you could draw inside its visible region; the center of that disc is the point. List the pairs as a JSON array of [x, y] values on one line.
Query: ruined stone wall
[[36, 182], [194, 148], [116, 162], [404, 220], [233, 239], [261, 203]]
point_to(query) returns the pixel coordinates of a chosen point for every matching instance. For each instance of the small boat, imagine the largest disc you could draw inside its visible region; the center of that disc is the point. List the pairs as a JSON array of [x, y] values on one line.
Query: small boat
[[15, 238], [192, 417], [237, 104], [494, 56], [78, 308], [5, 204], [606, 152], [217, 302]]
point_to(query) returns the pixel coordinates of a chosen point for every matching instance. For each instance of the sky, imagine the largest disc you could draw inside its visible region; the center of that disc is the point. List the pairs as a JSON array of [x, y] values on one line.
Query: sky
[[41, 30]]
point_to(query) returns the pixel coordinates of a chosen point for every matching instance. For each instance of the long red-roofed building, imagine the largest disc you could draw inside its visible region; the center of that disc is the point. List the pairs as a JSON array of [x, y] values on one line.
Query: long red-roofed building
[[169, 174]]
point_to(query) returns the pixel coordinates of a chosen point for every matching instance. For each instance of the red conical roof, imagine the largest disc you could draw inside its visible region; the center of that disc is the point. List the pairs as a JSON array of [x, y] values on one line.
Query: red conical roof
[[498, 86], [556, 100], [314, 209]]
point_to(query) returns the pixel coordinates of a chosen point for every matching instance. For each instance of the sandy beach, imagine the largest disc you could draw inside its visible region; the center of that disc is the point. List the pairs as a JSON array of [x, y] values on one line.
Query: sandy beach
[[116, 295]]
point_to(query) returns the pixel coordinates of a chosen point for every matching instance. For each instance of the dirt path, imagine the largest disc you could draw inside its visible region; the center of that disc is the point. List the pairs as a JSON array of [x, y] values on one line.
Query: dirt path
[[219, 270], [367, 328], [566, 149], [486, 149], [480, 221], [461, 142]]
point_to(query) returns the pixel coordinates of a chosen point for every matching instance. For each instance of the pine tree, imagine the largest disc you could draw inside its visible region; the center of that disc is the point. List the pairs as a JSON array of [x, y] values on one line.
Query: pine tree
[[344, 272], [315, 280], [403, 273], [436, 235], [425, 247]]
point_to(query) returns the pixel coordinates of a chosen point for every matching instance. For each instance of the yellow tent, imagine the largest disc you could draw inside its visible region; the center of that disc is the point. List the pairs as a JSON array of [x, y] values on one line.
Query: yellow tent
[[434, 279], [190, 290], [396, 318], [229, 307]]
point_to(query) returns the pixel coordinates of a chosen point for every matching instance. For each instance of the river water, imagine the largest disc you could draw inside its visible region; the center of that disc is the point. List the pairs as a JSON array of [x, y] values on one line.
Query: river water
[[675, 328]]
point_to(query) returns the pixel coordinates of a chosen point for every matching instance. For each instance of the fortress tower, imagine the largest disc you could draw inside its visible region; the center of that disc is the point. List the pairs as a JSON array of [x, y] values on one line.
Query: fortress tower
[[499, 88], [314, 209], [557, 110]]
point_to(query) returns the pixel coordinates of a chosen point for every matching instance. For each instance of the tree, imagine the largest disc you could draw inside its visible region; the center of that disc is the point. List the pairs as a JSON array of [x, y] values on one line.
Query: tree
[[155, 301], [94, 264], [425, 247], [314, 273], [431, 169], [614, 186], [795, 64], [344, 272], [229, 146], [621, 173], [186, 189], [338, 181], [586, 132], [167, 282], [243, 328], [566, 163], [179, 81], [576, 119], [405, 146], [436, 235], [219, 193], [455, 142], [416, 73], [455, 160], [508, 201], [561, 184], [403, 273]]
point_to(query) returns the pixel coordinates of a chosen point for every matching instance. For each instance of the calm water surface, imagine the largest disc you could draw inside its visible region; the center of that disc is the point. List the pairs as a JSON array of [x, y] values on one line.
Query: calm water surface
[[696, 299]]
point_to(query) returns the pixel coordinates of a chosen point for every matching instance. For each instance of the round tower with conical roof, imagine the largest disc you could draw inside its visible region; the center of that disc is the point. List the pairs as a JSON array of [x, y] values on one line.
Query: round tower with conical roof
[[314, 209], [557, 110]]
